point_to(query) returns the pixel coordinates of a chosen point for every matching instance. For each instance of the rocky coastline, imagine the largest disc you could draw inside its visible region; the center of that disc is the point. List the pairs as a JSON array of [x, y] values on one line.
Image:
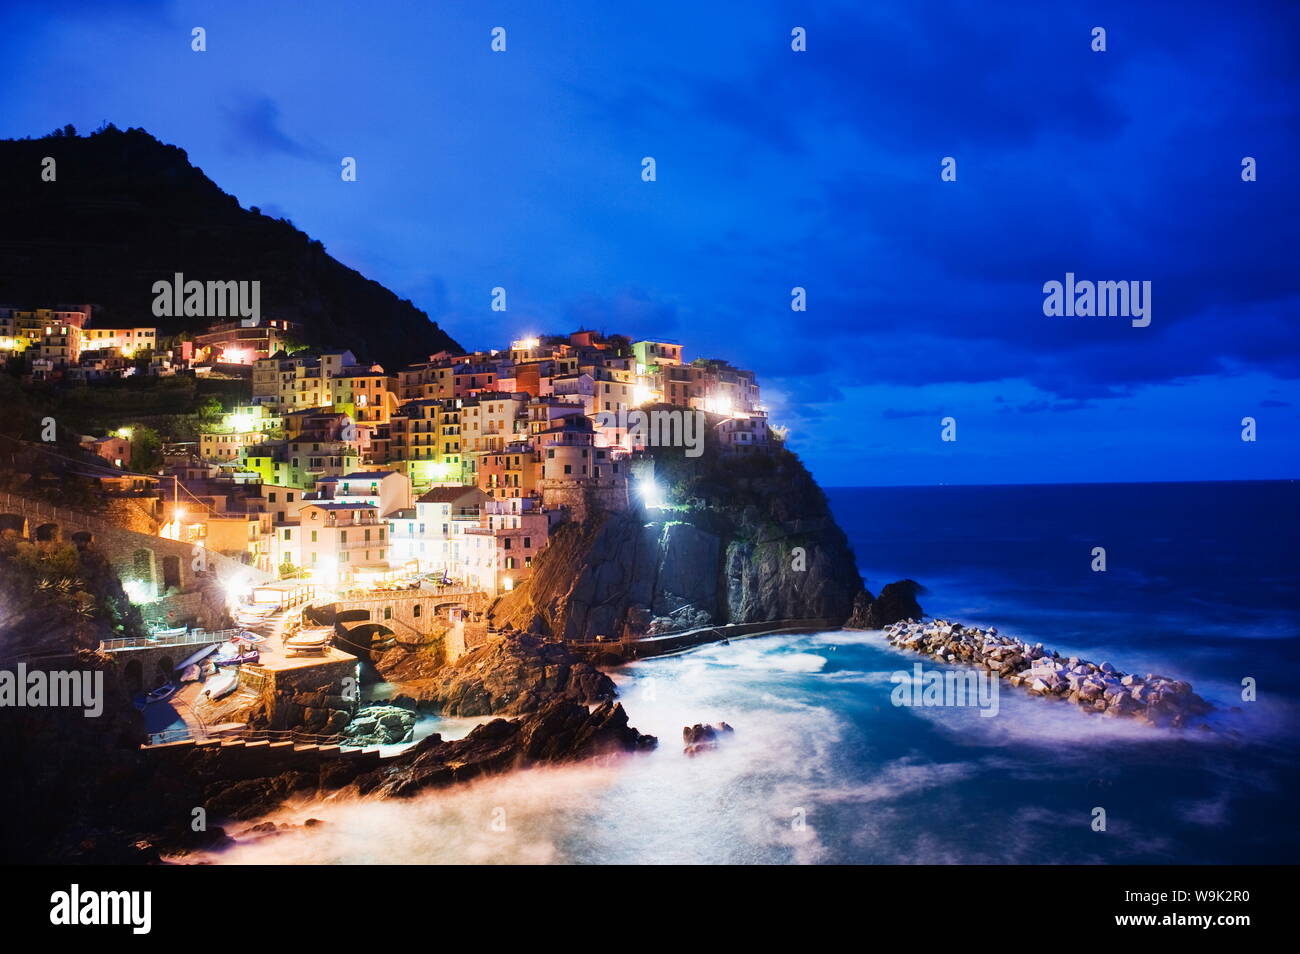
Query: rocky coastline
[[750, 541], [1097, 687], [561, 731]]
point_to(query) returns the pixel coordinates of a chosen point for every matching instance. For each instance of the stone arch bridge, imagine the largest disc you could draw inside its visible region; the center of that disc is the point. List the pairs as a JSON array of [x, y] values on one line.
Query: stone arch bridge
[[382, 619]]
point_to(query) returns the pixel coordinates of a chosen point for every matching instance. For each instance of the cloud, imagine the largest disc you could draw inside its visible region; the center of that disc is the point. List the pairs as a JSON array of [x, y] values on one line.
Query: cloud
[[255, 125], [894, 414]]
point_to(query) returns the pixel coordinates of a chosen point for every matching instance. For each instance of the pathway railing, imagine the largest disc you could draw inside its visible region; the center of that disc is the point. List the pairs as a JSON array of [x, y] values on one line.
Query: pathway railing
[[192, 638]]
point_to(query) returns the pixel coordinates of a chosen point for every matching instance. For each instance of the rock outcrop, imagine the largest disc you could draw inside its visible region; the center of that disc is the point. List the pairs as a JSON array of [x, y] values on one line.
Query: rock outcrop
[[745, 540], [511, 673], [1097, 687], [381, 725], [896, 602], [703, 737]]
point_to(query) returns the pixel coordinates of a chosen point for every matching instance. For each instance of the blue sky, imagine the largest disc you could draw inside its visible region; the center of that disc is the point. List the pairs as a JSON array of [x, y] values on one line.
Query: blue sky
[[776, 169]]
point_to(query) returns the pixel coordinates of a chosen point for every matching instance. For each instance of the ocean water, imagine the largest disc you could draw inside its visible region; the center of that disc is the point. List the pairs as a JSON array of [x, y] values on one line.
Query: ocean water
[[1199, 585]]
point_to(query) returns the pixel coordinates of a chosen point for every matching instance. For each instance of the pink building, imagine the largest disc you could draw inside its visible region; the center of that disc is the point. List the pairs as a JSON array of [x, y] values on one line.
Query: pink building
[[500, 551]]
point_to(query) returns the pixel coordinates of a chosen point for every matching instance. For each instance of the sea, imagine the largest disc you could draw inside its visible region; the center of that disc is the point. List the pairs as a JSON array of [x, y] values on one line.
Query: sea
[[1199, 583]]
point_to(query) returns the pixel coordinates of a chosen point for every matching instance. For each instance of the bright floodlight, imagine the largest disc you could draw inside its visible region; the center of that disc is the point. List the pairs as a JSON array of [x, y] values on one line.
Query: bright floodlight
[[235, 586], [650, 492], [137, 591]]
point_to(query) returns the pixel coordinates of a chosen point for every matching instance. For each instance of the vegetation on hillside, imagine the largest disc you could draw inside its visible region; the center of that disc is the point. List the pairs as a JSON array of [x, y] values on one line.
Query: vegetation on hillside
[[126, 211]]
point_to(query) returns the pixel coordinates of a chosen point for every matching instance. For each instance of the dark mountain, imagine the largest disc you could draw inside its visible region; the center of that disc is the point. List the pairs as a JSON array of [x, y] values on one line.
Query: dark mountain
[[126, 210]]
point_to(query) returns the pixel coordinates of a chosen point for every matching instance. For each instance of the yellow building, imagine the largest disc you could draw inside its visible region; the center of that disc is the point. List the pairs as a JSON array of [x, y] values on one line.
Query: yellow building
[[125, 341], [245, 426]]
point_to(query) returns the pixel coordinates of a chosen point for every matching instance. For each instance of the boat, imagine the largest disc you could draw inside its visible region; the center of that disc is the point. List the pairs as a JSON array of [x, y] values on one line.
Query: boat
[[225, 651], [221, 685], [236, 652], [313, 639], [161, 694], [159, 633], [252, 615], [239, 659], [190, 673], [197, 657]]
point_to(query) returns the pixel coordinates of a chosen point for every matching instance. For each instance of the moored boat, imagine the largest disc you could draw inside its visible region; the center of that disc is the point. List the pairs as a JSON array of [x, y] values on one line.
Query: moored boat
[[239, 659], [160, 694], [313, 639], [221, 685]]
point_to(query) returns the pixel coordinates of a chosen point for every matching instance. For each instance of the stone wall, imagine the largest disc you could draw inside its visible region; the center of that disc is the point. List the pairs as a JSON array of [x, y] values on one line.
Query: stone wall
[[585, 498], [134, 514], [319, 698]]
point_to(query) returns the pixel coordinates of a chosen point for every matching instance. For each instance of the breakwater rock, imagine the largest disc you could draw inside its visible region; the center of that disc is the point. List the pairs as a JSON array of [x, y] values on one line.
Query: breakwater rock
[[1100, 687]]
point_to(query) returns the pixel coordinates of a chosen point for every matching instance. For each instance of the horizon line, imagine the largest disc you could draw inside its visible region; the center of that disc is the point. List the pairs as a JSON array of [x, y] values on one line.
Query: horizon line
[[1068, 483]]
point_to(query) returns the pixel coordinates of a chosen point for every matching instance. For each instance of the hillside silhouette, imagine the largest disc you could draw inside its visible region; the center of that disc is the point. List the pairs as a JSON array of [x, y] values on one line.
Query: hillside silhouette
[[127, 210]]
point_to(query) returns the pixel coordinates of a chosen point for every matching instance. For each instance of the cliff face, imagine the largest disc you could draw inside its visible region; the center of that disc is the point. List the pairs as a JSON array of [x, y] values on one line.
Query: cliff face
[[745, 540], [126, 211]]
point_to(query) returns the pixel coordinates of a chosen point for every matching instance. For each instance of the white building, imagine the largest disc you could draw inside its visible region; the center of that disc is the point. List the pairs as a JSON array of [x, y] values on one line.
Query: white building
[[385, 490], [430, 535], [335, 542]]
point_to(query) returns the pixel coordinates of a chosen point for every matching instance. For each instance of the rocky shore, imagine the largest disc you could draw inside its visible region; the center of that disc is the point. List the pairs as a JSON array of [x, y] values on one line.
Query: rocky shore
[[563, 731], [1099, 687]]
